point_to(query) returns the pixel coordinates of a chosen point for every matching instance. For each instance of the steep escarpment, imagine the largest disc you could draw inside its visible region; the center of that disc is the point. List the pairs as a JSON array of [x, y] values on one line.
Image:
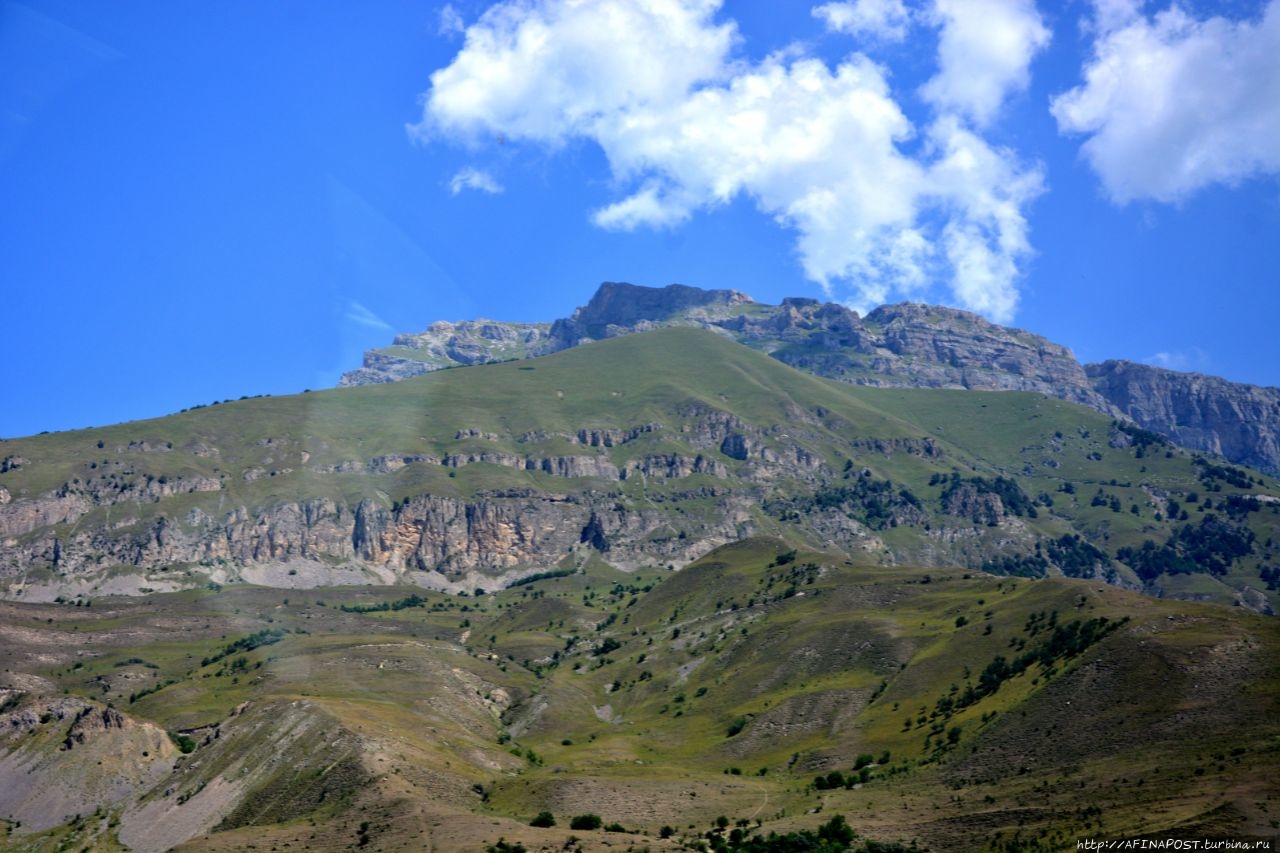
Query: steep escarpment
[[634, 454], [1240, 422]]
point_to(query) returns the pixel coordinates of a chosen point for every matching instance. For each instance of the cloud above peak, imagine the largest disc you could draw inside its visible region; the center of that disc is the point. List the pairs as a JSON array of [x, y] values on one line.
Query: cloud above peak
[[881, 209]]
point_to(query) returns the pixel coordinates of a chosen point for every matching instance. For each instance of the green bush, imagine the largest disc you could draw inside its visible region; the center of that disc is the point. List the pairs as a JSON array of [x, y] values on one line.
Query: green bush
[[184, 743]]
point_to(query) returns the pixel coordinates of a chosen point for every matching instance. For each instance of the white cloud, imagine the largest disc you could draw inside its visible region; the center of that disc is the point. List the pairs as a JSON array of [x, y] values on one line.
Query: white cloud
[[886, 20], [647, 206], [548, 70], [1109, 15], [451, 23], [687, 128], [984, 54], [1173, 104], [1193, 359], [987, 236], [470, 178]]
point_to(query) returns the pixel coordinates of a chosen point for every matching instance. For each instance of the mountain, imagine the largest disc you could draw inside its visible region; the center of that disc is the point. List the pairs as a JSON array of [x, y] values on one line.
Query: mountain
[[642, 450], [1200, 412], [906, 345], [662, 579]]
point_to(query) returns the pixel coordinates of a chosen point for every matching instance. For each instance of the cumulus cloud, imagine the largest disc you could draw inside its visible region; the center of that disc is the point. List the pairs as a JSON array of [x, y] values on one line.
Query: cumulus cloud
[[1172, 104], [549, 70], [470, 178], [987, 236], [886, 20], [984, 54], [687, 127]]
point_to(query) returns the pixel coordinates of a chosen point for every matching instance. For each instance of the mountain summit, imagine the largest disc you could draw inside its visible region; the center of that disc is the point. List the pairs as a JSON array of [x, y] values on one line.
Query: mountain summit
[[907, 345], [621, 592]]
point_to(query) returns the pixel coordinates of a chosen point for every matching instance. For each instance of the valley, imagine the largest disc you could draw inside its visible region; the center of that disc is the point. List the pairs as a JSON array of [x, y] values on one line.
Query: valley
[[761, 683]]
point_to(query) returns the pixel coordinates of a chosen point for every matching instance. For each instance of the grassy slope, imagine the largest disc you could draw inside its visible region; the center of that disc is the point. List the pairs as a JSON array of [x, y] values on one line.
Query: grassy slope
[[1169, 721], [627, 382]]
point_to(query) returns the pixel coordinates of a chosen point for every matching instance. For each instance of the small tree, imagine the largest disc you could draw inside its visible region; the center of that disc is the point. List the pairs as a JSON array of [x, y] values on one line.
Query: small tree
[[586, 821], [544, 820]]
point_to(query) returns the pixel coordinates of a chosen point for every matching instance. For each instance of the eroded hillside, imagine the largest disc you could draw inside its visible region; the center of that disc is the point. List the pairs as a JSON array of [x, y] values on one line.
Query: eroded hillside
[[957, 710]]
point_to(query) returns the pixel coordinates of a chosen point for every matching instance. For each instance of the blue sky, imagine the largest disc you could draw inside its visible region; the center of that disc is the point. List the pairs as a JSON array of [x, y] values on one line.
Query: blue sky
[[200, 201]]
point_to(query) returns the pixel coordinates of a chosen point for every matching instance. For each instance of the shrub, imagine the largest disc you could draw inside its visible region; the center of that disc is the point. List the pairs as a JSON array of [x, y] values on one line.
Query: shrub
[[586, 821], [544, 820], [185, 744]]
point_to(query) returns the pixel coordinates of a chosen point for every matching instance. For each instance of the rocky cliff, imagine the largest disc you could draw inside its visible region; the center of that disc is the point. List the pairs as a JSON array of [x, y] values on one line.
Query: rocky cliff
[[618, 308], [919, 346], [290, 509], [1240, 422], [906, 345], [445, 344]]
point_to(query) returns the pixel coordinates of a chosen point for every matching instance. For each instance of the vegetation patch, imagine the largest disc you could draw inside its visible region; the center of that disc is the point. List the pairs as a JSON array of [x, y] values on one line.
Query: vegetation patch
[[265, 637]]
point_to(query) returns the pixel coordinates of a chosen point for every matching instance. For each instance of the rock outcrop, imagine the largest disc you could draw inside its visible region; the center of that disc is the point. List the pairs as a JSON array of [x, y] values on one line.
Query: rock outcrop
[[445, 344], [497, 534], [1240, 422], [620, 309], [904, 345]]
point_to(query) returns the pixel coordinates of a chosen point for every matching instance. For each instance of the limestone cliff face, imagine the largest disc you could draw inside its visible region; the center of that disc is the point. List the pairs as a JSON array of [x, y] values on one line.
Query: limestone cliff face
[[445, 344], [1240, 422], [619, 309], [615, 309], [931, 346], [122, 517], [917, 346], [490, 536]]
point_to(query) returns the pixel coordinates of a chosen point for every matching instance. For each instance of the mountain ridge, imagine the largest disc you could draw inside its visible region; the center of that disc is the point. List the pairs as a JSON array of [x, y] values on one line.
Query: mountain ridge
[[660, 579], [639, 450], [902, 345]]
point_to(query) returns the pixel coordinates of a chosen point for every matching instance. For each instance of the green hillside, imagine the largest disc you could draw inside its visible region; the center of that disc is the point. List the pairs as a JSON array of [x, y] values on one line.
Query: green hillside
[[661, 579], [759, 683], [669, 443]]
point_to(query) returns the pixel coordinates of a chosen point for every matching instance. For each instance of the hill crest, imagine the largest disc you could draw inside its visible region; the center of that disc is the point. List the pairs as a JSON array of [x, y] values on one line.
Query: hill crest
[[905, 345]]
